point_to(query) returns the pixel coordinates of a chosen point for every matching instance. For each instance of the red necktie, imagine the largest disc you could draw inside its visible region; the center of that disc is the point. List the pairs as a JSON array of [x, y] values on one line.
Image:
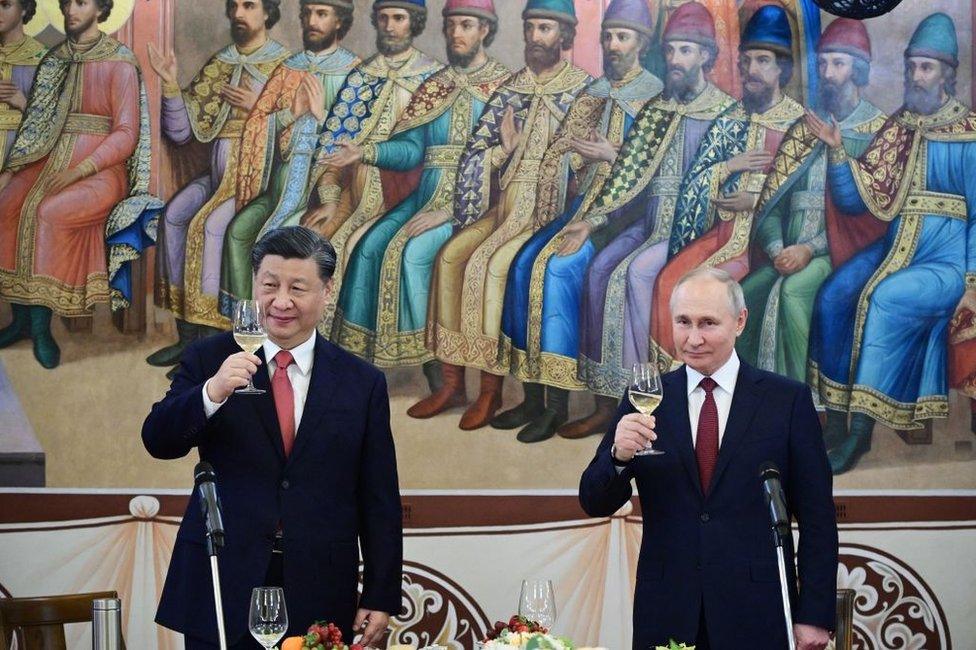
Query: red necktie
[[706, 444], [284, 399]]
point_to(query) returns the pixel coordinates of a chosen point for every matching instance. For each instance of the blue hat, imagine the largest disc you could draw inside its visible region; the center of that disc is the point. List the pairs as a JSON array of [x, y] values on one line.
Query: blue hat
[[935, 38], [562, 10], [420, 5], [768, 29], [629, 14]]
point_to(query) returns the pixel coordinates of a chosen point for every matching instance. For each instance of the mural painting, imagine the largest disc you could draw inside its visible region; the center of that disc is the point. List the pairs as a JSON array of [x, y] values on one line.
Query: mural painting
[[512, 195]]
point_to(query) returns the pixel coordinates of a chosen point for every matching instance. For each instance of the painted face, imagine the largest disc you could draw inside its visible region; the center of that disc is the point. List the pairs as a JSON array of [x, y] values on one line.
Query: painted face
[[543, 42], [835, 68], [11, 15], [79, 15], [704, 324], [293, 297], [320, 27], [463, 36], [685, 60], [393, 31], [247, 19], [924, 84], [760, 73], [621, 48]]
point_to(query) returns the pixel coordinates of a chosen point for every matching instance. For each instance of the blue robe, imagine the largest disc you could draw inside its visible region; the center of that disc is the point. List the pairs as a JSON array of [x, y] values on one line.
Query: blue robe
[[880, 325]]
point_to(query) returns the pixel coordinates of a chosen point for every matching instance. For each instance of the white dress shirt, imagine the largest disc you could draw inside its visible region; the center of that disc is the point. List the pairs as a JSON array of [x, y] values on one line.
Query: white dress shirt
[[725, 377], [299, 373]]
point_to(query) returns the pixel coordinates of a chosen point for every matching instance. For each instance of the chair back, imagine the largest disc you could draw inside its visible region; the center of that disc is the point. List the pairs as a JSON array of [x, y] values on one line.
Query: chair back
[[39, 622], [844, 631]]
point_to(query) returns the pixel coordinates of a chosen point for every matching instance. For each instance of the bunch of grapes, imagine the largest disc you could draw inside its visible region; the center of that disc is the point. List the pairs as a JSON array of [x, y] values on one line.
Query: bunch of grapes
[[325, 637], [517, 624]]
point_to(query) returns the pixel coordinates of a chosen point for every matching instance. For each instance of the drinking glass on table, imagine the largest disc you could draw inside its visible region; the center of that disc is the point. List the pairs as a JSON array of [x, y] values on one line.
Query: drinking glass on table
[[645, 394], [537, 602], [250, 334], [268, 618]]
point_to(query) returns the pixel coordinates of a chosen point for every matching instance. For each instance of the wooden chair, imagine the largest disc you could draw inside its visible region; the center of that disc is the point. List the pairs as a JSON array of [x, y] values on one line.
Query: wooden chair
[[844, 632], [39, 622]]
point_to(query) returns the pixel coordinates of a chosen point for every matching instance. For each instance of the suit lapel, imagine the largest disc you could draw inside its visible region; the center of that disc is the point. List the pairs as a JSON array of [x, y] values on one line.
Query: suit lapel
[[745, 402], [677, 391], [321, 387], [264, 405]]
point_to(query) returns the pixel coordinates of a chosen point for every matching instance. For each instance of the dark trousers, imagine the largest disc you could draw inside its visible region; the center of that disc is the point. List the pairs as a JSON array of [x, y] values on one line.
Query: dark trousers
[[274, 578]]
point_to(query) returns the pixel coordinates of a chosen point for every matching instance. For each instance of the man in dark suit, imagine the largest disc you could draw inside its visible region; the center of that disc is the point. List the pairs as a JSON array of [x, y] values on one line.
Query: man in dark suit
[[707, 570], [306, 472]]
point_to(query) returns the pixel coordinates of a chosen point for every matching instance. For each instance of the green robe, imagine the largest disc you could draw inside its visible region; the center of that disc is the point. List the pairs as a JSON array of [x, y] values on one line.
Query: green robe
[[792, 210], [382, 309]]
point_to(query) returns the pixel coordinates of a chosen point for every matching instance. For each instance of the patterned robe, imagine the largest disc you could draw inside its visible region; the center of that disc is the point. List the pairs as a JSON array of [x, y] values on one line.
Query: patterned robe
[[195, 219], [18, 63], [792, 209], [382, 310], [70, 250], [633, 218], [695, 241], [880, 330], [277, 155], [468, 287], [609, 109]]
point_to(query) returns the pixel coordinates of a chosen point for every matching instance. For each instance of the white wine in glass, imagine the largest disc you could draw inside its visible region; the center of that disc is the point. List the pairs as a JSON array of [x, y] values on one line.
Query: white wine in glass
[[645, 394], [250, 334], [268, 616]]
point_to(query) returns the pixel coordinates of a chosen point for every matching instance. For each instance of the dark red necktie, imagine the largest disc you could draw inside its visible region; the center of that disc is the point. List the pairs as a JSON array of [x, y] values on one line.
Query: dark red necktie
[[284, 399], [706, 443]]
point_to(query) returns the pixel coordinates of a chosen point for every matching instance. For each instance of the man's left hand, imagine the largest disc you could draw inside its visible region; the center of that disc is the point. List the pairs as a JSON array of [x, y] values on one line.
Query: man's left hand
[[740, 201], [372, 624], [595, 148], [65, 179], [793, 259], [809, 637], [241, 97]]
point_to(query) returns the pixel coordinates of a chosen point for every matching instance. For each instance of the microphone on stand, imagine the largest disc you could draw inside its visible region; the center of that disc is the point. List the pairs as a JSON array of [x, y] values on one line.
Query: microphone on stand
[[772, 488], [205, 481], [775, 501]]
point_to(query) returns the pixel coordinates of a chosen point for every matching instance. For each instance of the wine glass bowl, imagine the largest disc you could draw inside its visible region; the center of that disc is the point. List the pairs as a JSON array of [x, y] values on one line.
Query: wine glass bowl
[[645, 394], [249, 333], [268, 616], [537, 602]]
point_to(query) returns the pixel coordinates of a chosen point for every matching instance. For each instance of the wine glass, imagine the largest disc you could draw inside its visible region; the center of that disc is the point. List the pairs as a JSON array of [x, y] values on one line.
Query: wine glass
[[268, 618], [537, 602], [645, 394], [250, 334]]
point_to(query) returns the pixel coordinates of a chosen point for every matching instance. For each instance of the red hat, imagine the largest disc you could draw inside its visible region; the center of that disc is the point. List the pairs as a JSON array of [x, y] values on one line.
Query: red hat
[[848, 36], [691, 22], [478, 8]]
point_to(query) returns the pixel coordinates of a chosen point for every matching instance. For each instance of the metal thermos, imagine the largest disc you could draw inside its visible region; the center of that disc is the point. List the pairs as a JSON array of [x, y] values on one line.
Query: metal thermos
[[107, 624]]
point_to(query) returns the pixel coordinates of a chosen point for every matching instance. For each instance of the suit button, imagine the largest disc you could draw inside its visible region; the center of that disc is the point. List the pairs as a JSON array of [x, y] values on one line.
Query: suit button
[[285, 484], [704, 517]]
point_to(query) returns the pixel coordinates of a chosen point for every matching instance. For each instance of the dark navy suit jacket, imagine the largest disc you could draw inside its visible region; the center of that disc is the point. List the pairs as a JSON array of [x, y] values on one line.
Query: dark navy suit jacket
[[335, 493], [717, 550]]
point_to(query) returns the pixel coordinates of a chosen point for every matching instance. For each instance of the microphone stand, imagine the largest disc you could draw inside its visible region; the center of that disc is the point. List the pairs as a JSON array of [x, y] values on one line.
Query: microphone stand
[[779, 516], [212, 547], [779, 535]]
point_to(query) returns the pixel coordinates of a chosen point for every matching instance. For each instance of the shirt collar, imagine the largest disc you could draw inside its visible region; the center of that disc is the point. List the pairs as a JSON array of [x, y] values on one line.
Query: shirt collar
[[302, 353], [725, 376]]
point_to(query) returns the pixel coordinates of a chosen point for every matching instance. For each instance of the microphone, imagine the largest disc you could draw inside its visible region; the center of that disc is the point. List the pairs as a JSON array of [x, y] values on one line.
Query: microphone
[[204, 479], [775, 501]]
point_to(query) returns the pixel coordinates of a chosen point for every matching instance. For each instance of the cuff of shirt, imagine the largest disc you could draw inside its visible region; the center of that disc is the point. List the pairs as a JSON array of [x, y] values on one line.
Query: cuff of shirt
[[171, 90], [370, 154], [774, 248], [209, 406], [837, 155]]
